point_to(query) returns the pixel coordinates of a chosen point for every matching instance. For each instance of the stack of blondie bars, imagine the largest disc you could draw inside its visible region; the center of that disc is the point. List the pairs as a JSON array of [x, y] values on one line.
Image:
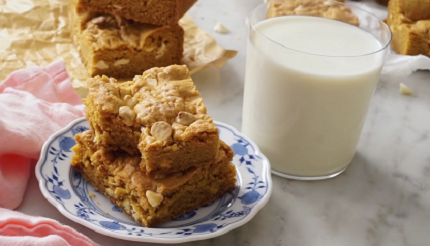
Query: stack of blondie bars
[[122, 38], [152, 149]]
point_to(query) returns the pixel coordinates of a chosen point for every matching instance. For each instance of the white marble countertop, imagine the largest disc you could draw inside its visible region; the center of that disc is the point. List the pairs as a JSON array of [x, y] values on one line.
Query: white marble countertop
[[382, 199]]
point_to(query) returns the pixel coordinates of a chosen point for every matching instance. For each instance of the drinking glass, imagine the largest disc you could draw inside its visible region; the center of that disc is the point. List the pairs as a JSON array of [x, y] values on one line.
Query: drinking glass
[[309, 81]]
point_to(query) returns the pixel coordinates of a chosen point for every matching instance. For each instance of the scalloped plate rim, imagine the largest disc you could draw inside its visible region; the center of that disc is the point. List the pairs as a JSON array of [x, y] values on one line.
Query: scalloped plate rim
[[261, 203]]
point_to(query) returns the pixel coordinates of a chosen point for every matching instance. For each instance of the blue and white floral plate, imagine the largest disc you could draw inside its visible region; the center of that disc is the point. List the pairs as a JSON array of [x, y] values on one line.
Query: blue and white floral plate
[[81, 202]]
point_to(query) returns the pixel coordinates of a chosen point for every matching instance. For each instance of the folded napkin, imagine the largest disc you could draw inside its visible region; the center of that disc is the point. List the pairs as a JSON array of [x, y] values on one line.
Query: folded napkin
[[34, 103], [18, 229]]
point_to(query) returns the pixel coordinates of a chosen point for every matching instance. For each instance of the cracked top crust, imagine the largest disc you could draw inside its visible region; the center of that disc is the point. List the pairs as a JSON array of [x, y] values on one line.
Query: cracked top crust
[[106, 31], [320, 8], [159, 95]]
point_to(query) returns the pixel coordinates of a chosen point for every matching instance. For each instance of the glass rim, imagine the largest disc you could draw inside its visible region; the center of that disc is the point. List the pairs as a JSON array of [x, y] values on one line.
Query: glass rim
[[383, 47]]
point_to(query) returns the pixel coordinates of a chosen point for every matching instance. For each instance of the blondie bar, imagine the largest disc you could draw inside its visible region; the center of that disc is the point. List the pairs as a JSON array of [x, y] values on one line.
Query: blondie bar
[[320, 8], [159, 114], [152, 201], [121, 48], [159, 12], [409, 21]]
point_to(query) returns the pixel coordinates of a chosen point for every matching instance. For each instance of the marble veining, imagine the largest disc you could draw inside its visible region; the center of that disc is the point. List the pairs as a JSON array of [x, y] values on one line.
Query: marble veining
[[383, 198]]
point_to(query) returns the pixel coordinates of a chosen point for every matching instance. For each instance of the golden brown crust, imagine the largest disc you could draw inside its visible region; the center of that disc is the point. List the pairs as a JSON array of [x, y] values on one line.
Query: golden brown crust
[[155, 12], [409, 21], [319, 8], [414, 10], [122, 48], [119, 177], [159, 95]]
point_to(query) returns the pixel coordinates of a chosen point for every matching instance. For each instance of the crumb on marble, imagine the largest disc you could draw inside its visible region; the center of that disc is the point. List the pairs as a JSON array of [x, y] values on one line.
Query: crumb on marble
[[220, 28], [405, 90]]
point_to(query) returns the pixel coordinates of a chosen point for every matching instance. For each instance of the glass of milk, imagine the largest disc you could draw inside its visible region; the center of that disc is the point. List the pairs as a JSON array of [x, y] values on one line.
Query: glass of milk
[[309, 81]]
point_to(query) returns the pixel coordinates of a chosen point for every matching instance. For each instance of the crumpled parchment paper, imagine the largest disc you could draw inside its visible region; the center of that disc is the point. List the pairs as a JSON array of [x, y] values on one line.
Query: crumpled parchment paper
[[37, 32]]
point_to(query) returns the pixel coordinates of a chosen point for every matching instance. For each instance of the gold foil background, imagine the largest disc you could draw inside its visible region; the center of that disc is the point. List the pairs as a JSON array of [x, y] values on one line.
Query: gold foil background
[[37, 32]]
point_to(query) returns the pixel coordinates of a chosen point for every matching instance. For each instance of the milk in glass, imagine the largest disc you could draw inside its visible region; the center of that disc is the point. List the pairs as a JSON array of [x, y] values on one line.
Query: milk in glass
[[308, 84]]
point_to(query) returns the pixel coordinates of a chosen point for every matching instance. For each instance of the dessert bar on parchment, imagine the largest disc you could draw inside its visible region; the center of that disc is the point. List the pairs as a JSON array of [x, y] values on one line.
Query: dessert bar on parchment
[[156, 12], [114, 46]]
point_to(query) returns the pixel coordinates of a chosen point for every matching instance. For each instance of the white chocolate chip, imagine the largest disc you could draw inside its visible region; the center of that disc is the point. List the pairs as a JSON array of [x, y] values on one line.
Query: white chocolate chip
[[298, 8], [220, 28], [119, 192], [101, 65], [152, 82], [329, 3], [127, 115], [405, 90], [160, 176], [112, 181], [138, 84], [110, 192], [130, 101], [135, 207], [117, 6], [160, 51], [405, 19], [185, 118], [98, 20], [161, 130], [121, 62], [126, 205], [154, 198], [96, 137]]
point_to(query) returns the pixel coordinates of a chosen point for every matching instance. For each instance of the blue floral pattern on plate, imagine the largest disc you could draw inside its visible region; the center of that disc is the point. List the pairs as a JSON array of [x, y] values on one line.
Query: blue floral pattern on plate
[[79, 201]]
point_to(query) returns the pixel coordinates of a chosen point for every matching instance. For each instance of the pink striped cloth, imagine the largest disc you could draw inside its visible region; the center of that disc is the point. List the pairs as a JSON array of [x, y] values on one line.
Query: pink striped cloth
[[34, 103], [17, 229]]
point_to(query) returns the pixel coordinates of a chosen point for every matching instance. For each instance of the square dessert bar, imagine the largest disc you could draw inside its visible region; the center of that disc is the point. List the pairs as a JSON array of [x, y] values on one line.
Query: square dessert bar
[[159, 114], [158, 12], [113, 46], [318, 8], [146, 200], [409, 21]]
